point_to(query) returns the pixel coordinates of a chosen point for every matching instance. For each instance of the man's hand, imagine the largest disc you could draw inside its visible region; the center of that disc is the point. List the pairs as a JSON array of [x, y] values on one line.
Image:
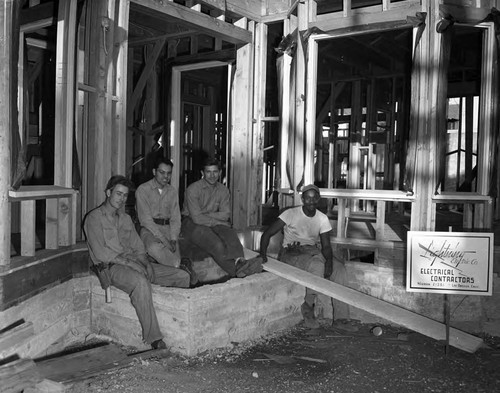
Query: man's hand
[[173, 245], [150, 273]]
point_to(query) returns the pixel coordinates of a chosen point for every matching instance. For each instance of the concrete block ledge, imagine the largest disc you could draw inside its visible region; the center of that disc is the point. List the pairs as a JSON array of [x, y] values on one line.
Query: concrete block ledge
[[203, 318]]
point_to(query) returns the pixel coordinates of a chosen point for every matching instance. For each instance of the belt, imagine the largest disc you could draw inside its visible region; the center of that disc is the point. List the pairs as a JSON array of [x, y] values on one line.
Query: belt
[[162, 221]]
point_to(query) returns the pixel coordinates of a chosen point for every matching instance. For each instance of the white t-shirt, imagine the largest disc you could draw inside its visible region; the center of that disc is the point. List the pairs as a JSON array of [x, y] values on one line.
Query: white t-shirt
[[303, 229]]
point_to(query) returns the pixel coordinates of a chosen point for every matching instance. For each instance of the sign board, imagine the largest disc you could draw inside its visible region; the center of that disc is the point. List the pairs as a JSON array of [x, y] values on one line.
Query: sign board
[[450, 262]]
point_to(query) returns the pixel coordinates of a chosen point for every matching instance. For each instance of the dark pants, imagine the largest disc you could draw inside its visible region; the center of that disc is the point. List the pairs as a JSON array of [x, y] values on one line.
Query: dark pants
[[221, 242]]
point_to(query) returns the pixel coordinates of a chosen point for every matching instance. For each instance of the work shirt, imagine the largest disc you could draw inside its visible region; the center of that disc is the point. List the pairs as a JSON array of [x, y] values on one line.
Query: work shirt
[[303, 229], [111, 234], [206, 204], [150, 203]]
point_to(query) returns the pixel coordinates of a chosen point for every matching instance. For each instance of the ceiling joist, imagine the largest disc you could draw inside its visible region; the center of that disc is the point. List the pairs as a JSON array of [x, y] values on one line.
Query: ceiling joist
[[175, 13]]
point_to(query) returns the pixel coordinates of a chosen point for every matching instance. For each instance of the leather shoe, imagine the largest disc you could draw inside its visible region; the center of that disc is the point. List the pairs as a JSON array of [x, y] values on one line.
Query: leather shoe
[[159, 344], [187, 265]]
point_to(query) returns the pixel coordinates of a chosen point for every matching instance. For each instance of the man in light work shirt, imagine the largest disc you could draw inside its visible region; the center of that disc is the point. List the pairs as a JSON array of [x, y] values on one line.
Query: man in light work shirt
[[118, 252], [207, 211], [157, 205], [306, 245]]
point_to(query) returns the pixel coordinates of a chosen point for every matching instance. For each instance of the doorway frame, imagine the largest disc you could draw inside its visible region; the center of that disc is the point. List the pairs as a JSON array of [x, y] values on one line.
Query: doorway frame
[[176, 111]]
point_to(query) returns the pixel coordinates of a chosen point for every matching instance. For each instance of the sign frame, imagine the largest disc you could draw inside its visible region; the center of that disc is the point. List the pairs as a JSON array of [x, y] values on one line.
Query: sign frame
[[450, 262]]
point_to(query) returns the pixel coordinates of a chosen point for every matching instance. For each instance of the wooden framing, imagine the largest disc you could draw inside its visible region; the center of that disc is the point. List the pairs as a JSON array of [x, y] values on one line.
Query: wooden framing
[[196, 20], [8, 85], [176, 112], [241, 133]]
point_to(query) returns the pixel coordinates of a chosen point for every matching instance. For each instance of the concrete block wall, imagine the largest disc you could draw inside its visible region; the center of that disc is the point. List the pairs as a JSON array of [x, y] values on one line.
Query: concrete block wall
[[60, 316], [211, 316]]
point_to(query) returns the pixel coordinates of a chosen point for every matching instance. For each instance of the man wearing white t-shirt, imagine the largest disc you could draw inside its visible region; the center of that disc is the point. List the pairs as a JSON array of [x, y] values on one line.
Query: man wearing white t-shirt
[[306, 245]]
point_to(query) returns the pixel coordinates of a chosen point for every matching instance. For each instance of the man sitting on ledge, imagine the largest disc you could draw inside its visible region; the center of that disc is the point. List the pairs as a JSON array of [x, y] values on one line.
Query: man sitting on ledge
[[207, 210], [306, 245], [118, 252]]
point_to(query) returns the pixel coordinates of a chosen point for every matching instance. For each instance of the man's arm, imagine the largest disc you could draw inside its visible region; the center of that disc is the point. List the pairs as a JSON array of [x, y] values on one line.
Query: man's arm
[[102, 253], [326, 250], [199, 216], [273, 229]]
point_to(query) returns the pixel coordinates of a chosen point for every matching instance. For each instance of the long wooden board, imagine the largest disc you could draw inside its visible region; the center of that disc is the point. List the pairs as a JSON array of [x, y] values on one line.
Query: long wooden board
[[398, 315]]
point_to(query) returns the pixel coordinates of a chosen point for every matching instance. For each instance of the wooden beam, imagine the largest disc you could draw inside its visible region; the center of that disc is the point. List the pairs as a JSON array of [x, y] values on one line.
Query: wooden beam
[[8, 120], [38, 17], [380, 308], [150, 64], [251, 9], [120, 43], [363, 18], [195, 20], [241, 135], [65, 96], [12, 338]]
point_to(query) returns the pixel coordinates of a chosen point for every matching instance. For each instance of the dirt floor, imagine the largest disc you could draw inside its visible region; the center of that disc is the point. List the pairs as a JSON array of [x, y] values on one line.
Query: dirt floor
[[319, 360]]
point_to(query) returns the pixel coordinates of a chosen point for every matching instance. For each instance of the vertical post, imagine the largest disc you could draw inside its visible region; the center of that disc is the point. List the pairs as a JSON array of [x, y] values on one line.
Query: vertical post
[[8, 87], [28, 237], [241, 132], [120, 116]]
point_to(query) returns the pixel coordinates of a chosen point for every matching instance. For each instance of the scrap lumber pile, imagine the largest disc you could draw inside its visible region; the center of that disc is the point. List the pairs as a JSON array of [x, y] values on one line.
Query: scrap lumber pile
[[51, 374]]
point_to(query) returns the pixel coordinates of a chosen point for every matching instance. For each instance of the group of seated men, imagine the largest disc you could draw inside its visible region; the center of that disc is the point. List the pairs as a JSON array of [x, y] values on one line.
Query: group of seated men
[[132, 262]]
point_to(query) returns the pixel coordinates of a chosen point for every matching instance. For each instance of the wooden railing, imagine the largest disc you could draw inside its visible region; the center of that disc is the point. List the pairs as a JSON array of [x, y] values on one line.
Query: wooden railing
[[60, 216], [381, 196]]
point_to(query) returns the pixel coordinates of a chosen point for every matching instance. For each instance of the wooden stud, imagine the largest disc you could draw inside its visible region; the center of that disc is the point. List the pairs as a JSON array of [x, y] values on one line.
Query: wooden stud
[[65, 98], [241, 133], [51, 224], [28, 227], [8, 83], [259, 105]]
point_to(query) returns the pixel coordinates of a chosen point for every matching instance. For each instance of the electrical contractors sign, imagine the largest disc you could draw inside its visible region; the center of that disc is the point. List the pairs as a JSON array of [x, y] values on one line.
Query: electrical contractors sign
[[450, 262]]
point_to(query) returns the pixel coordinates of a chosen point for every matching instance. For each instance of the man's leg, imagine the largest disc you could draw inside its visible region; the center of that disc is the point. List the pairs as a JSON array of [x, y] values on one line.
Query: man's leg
[[311, 260], [339, 276], [168, 276], [205, 238], [229, 237], [137, 286], [160, 252]]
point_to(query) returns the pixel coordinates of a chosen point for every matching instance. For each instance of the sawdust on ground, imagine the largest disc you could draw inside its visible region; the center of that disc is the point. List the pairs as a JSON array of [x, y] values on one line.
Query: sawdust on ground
[[319, 360]]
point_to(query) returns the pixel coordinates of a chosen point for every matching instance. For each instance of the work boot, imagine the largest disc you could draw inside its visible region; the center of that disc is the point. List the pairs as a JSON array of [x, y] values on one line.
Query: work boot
[[159, 344], [187, 265], [247, 267], [310, 320]]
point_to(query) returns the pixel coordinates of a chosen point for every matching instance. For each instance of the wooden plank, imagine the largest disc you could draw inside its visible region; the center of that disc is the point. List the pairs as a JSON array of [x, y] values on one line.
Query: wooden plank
[[7, 103], [39, 192], [251, 9], [241, 135], [12, 338], [46, 386], [38, 17], [150, 64], [259, 105], [361, 18], [465, 197], [65, 96], [195, 20], [374, 195], [18, 375], [51, 224], [28, 236], [390, 312], [120, 116], [78, 365]]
